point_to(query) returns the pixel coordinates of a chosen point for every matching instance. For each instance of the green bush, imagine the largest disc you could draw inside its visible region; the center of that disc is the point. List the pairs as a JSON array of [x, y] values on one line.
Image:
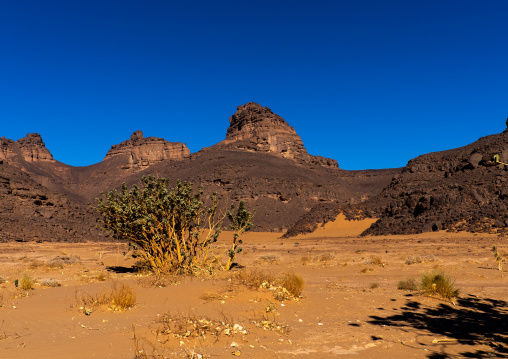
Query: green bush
[[436, 283], [172, 228]]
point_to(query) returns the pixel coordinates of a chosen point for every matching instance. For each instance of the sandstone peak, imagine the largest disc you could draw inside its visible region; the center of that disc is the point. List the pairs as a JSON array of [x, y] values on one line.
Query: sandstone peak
[[146, 151], [30, 149], [256, 128]]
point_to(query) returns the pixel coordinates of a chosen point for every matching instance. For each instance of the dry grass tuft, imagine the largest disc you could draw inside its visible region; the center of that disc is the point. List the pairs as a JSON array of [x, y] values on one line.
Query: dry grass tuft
[[253, 279], [49, 282], [418, 260], [267, 322], [408, 284], [26, 283], [437, 283], [293, 283], [121, 297], [377, 261], [159, 280]]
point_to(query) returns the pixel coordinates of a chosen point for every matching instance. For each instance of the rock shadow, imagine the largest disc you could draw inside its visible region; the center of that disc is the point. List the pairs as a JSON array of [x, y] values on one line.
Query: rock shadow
[[471, 322]]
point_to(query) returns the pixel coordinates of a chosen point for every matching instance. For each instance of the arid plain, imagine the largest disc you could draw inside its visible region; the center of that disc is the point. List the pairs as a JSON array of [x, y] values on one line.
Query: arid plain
[[350, 305]]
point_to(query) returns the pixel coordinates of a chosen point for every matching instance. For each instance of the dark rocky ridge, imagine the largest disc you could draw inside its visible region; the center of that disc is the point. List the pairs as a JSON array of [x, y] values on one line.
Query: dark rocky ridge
[[455, 190]]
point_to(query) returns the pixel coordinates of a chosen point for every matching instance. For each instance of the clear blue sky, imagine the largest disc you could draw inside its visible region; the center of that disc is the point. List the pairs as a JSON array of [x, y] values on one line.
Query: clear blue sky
[[370, 83]]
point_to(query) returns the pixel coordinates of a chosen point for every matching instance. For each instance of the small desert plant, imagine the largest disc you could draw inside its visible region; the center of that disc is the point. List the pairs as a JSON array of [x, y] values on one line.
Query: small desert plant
[[408, 284], [377, 261], [267, 321], [192, 326], [171, 228], [253, 279], [49, 282], [293, 283], [271, 259], [121, 297], [499, 258], [2, 280], [437, 283], [374, 285], [305, 260], [424, 259], [26, 283]]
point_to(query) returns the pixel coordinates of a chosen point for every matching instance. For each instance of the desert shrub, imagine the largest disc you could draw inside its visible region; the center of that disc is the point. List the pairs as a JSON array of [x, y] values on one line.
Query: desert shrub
[[172, 228], [437, 283], [49, 282], [121, 297], [253, 279], [293, 283], [2, 280], [376, 261], [498, 257], [26, 283], [408, 284], [417, 260], [374, 285], [60, 261]]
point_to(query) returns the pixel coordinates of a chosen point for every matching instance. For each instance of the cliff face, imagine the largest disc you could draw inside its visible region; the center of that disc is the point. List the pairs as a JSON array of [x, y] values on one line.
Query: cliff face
[[30, 149], [142, 152], [256, 128]]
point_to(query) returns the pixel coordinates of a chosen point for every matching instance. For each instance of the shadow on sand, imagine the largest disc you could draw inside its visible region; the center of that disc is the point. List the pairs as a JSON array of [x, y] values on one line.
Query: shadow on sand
[[472, 321]]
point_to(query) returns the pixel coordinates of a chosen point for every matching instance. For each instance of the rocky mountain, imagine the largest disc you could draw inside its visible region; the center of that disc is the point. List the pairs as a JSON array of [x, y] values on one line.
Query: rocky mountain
[[262, 161]]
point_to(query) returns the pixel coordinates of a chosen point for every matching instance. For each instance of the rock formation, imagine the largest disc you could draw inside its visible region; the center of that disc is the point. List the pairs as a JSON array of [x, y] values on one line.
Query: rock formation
[[256, 128], [30, 149], [459, 189], [142, 152]]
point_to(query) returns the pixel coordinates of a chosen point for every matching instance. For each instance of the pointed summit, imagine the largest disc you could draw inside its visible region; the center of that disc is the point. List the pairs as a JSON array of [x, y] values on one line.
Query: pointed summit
[[256, 128]]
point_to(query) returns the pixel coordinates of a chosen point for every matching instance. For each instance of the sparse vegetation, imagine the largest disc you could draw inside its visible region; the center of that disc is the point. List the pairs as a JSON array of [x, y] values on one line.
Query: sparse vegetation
[[418, 260], [173, 229], [182, 326], [121, 297], [26, 283], [267, 321], [49, 282], [293, 283], [437, 283], [408, 284], [499, 258]]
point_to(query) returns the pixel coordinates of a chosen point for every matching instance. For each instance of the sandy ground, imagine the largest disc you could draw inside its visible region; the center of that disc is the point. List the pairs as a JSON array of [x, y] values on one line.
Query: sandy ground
[[350, 305]]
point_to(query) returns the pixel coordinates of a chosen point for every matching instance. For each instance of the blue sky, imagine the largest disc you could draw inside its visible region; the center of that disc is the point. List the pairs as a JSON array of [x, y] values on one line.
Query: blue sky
[[369, 83]]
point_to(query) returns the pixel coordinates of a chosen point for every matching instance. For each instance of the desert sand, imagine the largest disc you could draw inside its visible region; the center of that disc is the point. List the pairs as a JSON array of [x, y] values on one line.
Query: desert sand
[[350, 305]]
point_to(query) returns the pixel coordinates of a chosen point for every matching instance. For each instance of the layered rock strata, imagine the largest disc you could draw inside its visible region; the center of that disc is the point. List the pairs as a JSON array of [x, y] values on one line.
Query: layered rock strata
[[142, 151], [30, 149]]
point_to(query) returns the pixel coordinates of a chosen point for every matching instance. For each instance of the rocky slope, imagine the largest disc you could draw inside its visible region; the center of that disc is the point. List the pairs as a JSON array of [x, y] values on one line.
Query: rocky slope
[[456, 190], [459, 189]]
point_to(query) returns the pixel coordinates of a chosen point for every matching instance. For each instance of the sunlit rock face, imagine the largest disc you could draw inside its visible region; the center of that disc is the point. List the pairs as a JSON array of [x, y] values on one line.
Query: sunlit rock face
[[146, 151], [256, 128], [30, 149]]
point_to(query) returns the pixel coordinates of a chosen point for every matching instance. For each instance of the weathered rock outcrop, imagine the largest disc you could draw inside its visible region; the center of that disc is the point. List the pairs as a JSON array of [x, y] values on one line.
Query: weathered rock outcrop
[[30, 149], [256, 128], [142, 152], [459, 189]]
